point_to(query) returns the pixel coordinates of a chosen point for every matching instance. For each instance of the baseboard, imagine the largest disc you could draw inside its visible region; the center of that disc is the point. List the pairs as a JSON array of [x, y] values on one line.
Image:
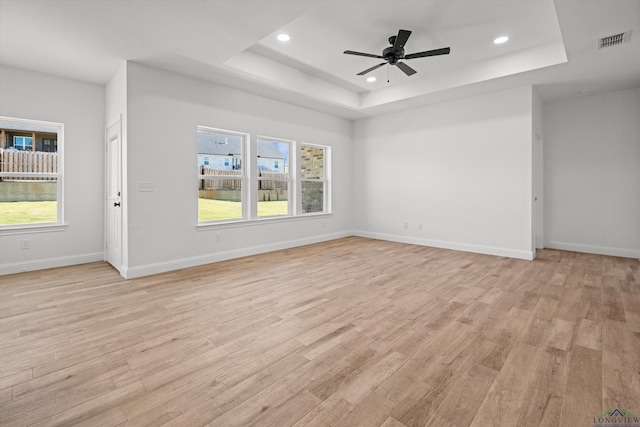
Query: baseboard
[[465, 247], [163, 267], [41, 264], [589, 249], [155, 268]]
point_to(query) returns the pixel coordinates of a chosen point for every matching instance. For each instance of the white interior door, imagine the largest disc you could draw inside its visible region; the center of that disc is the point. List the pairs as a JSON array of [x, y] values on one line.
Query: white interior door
[[113, 203]]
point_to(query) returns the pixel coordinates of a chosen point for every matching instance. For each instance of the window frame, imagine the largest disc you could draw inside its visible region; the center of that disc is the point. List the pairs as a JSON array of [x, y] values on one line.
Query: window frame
[[49, 143], [23, 145], [243, 177], [326, 187], [290, 180], [59, 176], [251, 183]]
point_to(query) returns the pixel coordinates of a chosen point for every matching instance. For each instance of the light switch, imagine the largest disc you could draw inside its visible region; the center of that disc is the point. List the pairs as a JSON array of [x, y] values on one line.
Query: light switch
[[146, 187]]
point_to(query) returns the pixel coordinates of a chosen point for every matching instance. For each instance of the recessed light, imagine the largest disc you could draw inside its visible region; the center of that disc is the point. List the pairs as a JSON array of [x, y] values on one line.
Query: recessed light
[[284, 37], [500, 40], [371, 79]]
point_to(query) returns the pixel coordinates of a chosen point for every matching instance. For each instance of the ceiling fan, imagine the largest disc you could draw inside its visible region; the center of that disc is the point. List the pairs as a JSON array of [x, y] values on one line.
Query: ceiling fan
[[394, 53]]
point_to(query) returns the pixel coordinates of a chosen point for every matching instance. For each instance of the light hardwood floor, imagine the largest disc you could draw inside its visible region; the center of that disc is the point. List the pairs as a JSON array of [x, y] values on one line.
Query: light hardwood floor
[[349, 332]]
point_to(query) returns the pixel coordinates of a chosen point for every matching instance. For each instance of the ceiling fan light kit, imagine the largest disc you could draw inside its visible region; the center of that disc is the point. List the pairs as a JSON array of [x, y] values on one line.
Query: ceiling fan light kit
[[394, 53]]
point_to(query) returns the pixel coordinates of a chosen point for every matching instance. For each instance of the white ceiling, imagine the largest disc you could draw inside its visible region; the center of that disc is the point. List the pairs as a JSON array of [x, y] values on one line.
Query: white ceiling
[[553, 45]]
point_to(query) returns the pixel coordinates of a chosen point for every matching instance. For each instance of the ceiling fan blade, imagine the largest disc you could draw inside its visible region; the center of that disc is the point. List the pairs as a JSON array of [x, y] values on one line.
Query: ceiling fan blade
[[370, 69], [401, 39], [351, 52], [434, 52], [406, 69]]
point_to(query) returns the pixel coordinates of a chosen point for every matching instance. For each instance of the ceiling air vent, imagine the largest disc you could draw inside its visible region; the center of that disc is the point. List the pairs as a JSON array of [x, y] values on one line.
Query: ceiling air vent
[[613, 40]]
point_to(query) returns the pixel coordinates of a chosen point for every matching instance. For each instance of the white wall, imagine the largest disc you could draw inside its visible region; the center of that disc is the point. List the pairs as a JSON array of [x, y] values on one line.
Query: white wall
[[461, 169], [465, 171], [592, 174], [163, 112], [80, 107], [116, 96]]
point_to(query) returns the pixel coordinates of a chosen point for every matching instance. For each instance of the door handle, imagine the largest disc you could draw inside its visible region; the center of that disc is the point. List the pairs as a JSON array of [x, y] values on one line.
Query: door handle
[[115, 205]]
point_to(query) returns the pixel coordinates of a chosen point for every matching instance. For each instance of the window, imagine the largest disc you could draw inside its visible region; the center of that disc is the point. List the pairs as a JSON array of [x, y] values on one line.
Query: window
[[220, 189], [285, 178], [273, 184], [23, 143], [49, 145], [30, 180], [313, 178]]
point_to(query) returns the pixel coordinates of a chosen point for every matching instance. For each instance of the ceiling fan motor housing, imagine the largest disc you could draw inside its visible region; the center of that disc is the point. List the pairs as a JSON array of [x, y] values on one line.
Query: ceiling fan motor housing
[[393, 56]]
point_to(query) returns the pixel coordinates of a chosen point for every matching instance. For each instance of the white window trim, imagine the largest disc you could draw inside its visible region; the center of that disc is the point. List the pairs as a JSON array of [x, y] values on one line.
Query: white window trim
[[244, 192], [260, 221], [41, 226], [250, 184]]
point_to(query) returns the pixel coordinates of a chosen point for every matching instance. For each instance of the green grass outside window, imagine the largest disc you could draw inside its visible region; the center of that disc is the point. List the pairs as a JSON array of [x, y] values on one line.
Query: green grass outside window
[[14, 213]]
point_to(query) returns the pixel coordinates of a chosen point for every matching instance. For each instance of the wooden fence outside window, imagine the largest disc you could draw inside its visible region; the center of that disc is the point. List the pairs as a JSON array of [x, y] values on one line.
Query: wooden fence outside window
[[268, 181], [20, 162]]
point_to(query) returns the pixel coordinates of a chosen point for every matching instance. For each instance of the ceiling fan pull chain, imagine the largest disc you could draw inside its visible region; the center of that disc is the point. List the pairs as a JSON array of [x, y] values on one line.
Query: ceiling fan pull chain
[[388, 68]]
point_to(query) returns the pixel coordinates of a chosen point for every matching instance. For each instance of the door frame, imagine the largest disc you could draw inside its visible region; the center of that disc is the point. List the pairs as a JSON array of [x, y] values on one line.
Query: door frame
[[114, 127], [538, 185]]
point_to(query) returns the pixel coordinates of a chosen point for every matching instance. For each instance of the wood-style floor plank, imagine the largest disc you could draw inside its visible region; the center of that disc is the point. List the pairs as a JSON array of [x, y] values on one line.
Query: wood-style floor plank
[[343, 333]]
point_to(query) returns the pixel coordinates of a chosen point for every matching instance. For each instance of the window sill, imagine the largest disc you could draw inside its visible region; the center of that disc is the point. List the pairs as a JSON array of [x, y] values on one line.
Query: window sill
[[30, 229], [261, 221]]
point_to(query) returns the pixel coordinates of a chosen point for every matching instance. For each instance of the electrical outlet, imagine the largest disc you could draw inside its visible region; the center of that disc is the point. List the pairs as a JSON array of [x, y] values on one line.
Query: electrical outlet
[[419, 226], [406, 225], [218, 238], [24, 244]]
